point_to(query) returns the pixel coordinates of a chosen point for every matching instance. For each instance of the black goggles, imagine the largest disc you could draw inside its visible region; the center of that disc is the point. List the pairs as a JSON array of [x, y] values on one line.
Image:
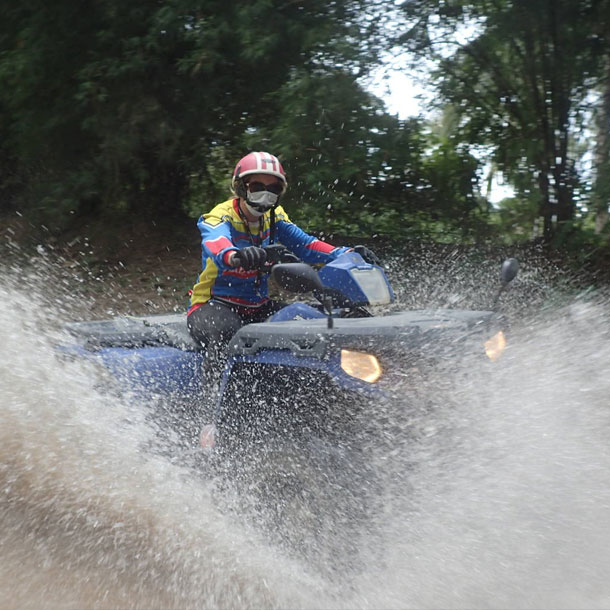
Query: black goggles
[[256, 187]]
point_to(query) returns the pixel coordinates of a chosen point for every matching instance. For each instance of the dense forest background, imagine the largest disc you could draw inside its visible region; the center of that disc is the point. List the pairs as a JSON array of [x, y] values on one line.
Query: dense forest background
[[139, 109]]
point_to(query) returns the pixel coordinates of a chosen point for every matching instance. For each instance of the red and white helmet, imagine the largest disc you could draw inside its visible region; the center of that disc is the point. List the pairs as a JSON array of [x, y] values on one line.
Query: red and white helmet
[[257, 163]]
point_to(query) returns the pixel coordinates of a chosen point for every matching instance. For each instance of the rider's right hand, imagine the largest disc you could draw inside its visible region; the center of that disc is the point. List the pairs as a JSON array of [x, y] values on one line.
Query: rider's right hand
[[368, 255], [251, 257]]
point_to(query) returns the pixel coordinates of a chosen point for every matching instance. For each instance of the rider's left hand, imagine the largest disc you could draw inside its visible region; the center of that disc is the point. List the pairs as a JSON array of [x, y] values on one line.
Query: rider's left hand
[[368, 255], [278, 253]]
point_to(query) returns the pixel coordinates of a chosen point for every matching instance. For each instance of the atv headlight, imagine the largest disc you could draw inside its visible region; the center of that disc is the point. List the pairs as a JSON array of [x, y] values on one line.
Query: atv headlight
[[360, 365], [494, 347]]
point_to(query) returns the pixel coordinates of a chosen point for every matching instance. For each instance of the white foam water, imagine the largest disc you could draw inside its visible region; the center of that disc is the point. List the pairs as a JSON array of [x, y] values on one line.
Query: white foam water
[[500, 499], [506, 498], [89, 520]]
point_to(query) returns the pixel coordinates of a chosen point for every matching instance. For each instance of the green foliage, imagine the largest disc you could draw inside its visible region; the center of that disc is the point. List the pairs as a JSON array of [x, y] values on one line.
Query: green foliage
[[122, 106], [344, 152], [519, 84], [143, 108], [515, 219], [354, 169], [451, 176]]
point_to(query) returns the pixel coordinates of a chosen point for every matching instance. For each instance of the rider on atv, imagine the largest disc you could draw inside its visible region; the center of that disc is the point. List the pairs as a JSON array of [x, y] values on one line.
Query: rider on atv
[[235, 237]]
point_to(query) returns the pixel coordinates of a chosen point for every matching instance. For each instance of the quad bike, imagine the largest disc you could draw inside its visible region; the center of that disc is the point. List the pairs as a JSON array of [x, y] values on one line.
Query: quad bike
[[292, 428]]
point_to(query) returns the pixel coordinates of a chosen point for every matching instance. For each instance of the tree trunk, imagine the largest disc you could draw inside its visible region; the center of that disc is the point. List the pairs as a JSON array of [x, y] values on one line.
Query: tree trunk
[[546, 208], [601, 187]]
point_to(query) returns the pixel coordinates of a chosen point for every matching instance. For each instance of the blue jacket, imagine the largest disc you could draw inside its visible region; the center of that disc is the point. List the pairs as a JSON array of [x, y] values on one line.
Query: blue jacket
[[223, 231]]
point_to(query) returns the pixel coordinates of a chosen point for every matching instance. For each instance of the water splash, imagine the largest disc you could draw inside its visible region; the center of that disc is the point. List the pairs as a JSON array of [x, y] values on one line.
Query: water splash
[[506, 500], [88, 519], [497, 485]]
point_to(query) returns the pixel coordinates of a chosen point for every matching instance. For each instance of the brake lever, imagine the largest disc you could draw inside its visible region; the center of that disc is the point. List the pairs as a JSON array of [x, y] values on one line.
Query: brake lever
[[289, 257]]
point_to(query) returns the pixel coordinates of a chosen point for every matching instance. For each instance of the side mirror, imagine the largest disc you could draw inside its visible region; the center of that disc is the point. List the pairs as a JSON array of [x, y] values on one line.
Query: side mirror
[[510, 268], [296, 277]]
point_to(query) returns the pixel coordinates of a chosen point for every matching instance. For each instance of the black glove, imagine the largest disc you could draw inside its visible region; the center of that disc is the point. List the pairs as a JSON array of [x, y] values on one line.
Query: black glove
[[277, 253], [250, 257], [368, 255]]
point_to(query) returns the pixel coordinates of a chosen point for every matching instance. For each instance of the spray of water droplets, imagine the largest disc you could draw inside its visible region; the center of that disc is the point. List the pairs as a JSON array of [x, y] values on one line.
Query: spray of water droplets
[[88, 518], [494, 481]]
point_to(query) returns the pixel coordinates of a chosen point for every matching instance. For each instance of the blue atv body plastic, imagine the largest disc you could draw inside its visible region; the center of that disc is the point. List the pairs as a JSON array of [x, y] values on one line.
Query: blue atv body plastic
[[296, 311]]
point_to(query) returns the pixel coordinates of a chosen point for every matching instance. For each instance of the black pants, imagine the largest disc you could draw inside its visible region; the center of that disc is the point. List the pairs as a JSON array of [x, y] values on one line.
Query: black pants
[[213, 324]]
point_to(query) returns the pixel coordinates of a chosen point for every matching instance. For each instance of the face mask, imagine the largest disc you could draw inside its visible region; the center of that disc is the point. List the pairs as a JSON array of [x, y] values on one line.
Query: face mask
[[259, 203], [252, 211]]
